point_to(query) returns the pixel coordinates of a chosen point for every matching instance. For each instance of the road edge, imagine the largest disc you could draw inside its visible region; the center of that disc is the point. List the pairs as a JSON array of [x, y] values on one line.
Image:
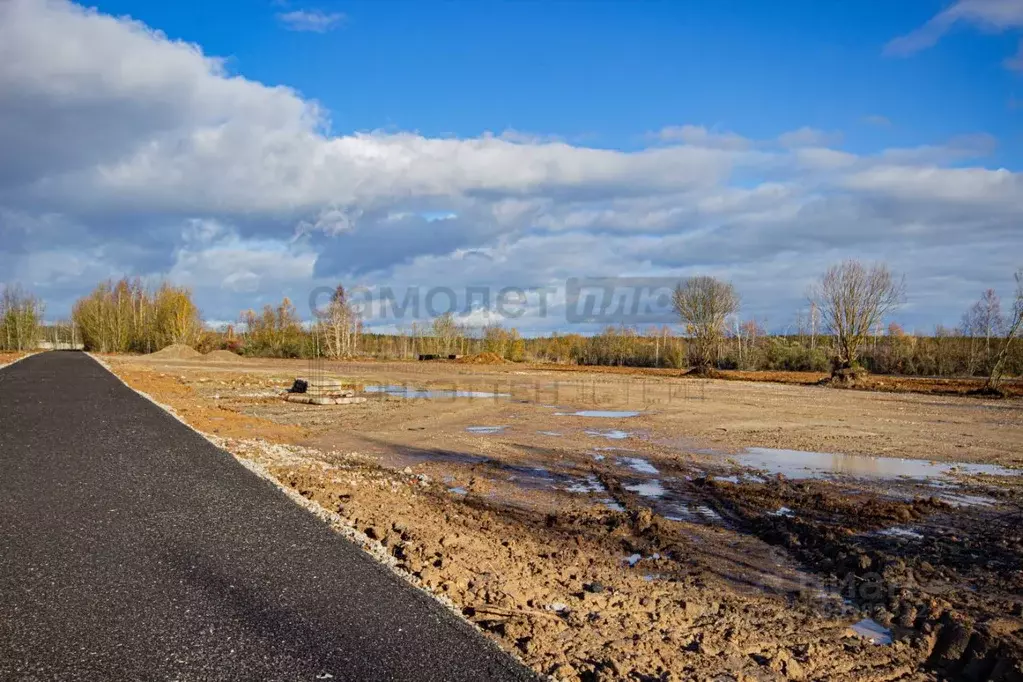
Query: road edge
[[338, 524], [23, 357]]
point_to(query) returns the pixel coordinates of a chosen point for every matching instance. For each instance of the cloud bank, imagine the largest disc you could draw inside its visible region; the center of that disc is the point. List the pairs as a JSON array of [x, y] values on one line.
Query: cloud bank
[[130, 153]]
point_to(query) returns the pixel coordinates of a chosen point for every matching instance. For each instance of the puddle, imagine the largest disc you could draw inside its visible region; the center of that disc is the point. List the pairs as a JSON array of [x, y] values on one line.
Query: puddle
[[590, 484], [597, 457], [549, 433], [612, 505], [694, 513], [485, 429], [797, 464], [871, 630], [648, 489], [613, 434], [458, 491], [960, 500], [409, 392], [638, 464], [610, 414], [633, 559], [899, 532], [783, 511]]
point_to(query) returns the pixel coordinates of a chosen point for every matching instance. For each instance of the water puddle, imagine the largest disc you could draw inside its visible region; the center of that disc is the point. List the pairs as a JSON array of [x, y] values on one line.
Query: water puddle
[[797, 464], [485, 429], [612, 434], [553, 434], [648, 489], [687, 511], [590, 484], [409, 392], [961, 500], [783, 511], [608, 414], [871, 630], [638, 464], [459, 490], [899, 532], [612, 505]]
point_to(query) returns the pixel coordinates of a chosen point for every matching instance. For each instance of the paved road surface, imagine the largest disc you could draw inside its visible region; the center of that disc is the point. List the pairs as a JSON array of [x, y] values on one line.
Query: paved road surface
[[130, 548]]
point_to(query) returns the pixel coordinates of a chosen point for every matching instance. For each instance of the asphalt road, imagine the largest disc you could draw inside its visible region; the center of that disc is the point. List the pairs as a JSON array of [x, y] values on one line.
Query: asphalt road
[[132, 549]]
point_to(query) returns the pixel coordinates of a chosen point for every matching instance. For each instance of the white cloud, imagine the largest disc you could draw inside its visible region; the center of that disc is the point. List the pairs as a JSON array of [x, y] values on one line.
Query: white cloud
[[990, 15], [128, 153], [808, 137], [313, 21], [700, 136]]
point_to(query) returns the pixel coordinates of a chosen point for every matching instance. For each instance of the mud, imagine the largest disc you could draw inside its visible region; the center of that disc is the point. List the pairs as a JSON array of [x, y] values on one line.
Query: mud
[[653, 546]]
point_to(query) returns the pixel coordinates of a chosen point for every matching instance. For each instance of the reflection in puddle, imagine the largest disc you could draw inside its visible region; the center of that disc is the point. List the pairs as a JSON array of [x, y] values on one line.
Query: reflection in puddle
[[590, 484], [598, 413], [647, 489], [458, 491], [485, 429], [638, 464], [797, 464], [694, 513], [613, 434], [783, 511], [899, 532], [960, 500], [871, 630], [409, 392], [612, 505]]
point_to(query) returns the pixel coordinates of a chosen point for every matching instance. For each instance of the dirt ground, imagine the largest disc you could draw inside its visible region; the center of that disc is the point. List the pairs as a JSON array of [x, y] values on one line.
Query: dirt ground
[[1012, 387], [7, 357], [688, 529]]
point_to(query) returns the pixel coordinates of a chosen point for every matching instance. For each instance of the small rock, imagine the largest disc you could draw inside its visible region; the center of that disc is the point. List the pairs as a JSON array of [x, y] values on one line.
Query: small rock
[[594, 587]]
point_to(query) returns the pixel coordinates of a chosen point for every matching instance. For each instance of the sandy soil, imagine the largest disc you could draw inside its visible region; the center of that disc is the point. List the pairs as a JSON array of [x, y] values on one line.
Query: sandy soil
[[7, 358], [654, 546]]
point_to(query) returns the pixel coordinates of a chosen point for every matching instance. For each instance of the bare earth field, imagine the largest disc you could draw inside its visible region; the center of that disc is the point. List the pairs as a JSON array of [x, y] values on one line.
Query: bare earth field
[[677, 529]]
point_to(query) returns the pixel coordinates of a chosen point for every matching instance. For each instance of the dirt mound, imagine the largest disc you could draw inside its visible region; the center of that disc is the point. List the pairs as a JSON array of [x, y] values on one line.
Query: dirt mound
[[223, 356], [482, 359], [177, 351]]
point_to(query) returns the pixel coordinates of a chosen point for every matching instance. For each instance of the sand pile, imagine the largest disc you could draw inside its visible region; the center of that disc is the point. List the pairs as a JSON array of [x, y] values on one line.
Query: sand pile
[[177, 351], [482, 359], [223, 356]]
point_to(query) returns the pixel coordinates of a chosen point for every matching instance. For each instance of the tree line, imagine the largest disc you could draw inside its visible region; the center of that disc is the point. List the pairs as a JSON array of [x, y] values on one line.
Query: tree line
[[844, 332], [21, 319]]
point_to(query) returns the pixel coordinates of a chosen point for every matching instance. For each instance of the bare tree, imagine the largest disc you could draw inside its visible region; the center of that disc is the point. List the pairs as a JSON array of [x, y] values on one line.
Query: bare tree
[[983, 320], [853, 299], [447, 333], [703, 304], [339, 326], [21, 319], [1014, 329]]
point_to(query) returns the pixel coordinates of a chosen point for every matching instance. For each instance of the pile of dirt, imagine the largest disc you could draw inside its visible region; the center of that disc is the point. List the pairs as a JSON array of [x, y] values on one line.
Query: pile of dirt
[[482, 359], [223, 356], [177, 351]]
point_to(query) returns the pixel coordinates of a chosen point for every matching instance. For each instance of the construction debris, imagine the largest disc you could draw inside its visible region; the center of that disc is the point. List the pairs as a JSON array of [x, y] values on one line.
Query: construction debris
[[310, 399], [322, 391]]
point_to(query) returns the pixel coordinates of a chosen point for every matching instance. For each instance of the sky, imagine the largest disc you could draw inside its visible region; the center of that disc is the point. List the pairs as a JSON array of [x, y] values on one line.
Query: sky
[[443, 153]]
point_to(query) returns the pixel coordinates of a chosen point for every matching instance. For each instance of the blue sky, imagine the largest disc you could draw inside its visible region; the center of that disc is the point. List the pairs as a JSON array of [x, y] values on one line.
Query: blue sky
[[606, 72], [257, 149]]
